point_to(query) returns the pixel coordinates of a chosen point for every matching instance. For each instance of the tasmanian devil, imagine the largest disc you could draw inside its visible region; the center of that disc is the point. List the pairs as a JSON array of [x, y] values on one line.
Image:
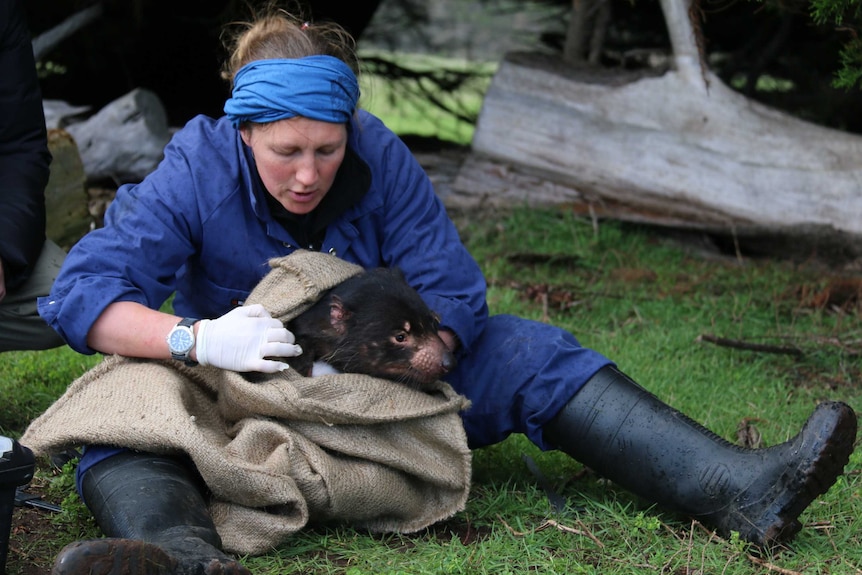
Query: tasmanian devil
[[373, 323]]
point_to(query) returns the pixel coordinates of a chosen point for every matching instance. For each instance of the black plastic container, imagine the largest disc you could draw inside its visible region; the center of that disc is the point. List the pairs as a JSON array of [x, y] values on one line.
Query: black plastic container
[[16, 468]]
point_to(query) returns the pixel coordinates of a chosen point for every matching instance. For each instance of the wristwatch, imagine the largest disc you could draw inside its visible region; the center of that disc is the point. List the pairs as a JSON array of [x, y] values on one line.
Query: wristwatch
[[181, 341]]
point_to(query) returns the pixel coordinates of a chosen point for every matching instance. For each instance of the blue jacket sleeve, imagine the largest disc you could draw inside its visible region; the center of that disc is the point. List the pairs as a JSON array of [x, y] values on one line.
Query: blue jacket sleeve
[[148, 235], [24, 156]]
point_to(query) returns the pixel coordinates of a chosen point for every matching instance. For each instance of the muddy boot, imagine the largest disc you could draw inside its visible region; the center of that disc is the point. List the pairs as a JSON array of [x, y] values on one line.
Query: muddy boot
[[152, 510], [627, 435]]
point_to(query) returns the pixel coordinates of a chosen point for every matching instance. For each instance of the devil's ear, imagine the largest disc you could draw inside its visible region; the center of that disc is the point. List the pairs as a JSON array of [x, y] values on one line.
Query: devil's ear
[[338, 315]]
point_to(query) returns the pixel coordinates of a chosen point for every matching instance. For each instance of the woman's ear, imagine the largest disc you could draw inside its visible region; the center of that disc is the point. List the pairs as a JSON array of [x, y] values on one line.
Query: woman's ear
[[245, 133]]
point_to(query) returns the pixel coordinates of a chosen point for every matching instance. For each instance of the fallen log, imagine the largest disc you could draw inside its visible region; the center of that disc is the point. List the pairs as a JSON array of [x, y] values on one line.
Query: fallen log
[[676, 148], [711, 160], [59, 114], [125, 140]]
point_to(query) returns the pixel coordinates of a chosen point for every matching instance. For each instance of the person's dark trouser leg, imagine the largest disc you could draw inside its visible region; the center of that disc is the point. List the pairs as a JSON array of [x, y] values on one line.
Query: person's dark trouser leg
[[156, 520], [627, 435], [21, 327]]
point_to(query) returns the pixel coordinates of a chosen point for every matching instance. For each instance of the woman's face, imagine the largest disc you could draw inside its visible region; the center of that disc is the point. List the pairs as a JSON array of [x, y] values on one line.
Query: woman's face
[[297, 159]]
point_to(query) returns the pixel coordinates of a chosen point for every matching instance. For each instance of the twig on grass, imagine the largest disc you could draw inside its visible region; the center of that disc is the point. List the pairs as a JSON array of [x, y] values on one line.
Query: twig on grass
[[771, 566], [559, 526], [589, 534], [750, 346], [851, 347]]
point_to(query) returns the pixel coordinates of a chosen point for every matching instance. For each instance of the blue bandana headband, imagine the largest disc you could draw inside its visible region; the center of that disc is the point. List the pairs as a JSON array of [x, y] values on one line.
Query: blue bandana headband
[[316, 87]]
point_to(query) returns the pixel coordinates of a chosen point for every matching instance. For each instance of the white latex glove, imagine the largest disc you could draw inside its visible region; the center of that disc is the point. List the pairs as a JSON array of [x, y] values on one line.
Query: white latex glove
[[241, 339]]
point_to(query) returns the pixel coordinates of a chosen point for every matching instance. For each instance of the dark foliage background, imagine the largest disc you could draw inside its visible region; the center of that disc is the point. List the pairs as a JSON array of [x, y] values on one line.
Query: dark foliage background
[[173, 48]]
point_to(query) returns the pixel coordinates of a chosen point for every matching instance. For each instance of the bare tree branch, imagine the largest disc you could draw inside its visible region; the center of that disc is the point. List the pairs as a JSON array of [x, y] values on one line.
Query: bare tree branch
[[47, 41]]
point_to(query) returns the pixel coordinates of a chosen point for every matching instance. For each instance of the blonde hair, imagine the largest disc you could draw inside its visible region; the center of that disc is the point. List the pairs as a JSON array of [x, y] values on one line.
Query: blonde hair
[[276, 33]]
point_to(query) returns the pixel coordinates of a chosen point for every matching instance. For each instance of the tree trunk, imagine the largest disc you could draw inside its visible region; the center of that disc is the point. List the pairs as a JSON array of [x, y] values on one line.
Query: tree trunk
[[68, 217]]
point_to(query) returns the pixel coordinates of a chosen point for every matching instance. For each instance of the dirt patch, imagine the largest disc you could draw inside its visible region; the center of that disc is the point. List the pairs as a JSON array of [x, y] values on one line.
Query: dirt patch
[[32, 542]]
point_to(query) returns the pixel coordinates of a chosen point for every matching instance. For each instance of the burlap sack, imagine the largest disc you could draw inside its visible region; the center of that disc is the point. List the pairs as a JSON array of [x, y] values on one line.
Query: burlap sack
[[286, 451]]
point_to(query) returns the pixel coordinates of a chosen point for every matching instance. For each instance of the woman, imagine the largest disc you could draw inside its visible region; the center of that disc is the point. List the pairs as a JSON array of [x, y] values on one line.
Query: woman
[[293, 164]]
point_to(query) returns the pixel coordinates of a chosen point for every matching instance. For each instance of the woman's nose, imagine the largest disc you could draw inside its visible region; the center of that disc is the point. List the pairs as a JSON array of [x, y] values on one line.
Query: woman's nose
[[306, 172]]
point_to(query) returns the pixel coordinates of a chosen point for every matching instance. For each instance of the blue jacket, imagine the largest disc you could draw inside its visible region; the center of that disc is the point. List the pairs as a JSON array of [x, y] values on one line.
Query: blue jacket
[[200, 226]]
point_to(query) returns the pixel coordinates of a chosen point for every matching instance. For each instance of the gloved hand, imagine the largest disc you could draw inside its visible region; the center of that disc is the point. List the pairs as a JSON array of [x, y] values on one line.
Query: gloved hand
[[241, 339]]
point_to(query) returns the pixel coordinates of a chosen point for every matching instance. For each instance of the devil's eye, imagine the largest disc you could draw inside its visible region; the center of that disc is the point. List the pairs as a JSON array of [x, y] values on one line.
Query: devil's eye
[[401, 337]]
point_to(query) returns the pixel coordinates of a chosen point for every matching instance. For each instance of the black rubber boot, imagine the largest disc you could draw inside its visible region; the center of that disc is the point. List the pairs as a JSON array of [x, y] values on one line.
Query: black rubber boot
[[627, 435], [156, 520]]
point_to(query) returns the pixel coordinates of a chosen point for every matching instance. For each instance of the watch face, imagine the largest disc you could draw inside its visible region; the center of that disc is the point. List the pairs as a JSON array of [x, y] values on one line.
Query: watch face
[[180, 340]]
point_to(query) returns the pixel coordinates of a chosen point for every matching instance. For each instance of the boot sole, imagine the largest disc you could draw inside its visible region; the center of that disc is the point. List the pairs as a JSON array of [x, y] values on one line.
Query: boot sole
[[828, 438], [131, 557], [113, 557]]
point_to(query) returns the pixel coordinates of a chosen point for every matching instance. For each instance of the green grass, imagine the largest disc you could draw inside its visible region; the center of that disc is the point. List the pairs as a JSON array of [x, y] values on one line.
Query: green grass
[[31, 380], [642, 300]]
